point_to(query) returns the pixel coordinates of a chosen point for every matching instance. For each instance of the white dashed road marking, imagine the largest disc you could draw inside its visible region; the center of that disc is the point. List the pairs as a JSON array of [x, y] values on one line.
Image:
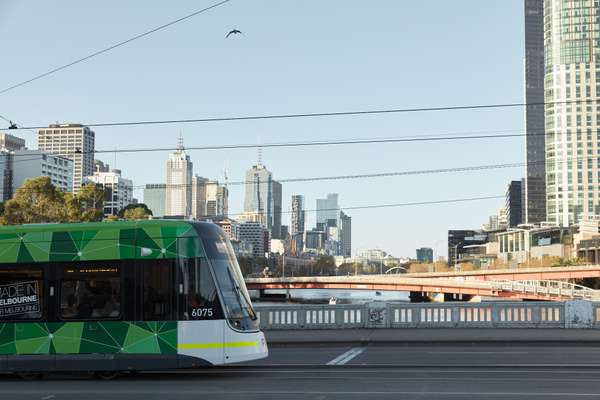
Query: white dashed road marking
[[347, 356]]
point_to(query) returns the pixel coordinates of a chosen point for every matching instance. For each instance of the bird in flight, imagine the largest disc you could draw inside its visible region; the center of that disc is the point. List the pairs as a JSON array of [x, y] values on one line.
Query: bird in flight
[[233, 32]]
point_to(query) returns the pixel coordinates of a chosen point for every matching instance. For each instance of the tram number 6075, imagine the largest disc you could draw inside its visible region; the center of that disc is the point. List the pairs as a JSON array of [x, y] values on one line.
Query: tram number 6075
[[202, 312]]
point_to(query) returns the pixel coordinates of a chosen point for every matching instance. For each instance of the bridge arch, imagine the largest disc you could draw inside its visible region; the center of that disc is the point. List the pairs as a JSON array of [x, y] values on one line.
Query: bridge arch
[[395, 268]]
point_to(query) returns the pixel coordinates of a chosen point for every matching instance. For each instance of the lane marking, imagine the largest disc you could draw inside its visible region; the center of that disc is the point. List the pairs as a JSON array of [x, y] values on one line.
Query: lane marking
[[347, 356]]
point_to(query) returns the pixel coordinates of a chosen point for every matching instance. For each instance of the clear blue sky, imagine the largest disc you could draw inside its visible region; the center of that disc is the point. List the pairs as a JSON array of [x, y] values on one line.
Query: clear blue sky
[[296, 56]]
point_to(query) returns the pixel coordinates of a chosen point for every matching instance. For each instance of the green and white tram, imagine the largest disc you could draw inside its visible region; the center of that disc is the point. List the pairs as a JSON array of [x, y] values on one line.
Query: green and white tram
[[122, 296]]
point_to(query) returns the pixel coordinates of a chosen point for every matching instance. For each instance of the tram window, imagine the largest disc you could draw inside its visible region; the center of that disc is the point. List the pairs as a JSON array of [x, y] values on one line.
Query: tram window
[[158, 290], [199, 298], [21, 293], [91, 293]]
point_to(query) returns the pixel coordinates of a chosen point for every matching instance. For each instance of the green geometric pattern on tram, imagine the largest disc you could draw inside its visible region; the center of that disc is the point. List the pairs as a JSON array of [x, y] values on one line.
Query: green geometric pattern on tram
[[97, 241], [89, 337]]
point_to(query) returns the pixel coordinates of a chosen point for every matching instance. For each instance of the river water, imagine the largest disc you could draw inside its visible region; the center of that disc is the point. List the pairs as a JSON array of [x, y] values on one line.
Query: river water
[[343, 296]]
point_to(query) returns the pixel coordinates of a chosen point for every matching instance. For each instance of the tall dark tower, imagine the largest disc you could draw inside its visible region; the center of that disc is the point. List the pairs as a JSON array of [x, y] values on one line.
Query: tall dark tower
[[534, 209]]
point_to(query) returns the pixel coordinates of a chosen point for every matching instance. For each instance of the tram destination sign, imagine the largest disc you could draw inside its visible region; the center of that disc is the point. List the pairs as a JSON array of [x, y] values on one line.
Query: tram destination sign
[[19, 298]]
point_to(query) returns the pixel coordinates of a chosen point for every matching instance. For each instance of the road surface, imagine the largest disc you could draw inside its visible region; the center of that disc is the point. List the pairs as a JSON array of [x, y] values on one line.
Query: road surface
[[441, 371]]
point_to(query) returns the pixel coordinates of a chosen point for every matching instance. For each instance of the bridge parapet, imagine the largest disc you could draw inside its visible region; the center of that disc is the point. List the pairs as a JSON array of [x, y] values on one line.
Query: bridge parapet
[[570, 314], [559, 289]]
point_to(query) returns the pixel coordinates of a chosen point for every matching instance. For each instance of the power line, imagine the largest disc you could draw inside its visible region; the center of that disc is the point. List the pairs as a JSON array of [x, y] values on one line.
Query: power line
[[391, 205], [112, 47], [394, 173], [325, 114], [398, 139]]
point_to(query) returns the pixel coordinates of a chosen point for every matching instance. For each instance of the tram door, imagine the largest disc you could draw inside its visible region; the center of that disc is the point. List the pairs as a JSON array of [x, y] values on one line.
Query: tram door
[[201, 322]]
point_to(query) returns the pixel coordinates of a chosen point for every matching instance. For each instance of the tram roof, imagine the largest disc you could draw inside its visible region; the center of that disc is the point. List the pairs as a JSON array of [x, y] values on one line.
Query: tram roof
[[144, 239], [83, 226]]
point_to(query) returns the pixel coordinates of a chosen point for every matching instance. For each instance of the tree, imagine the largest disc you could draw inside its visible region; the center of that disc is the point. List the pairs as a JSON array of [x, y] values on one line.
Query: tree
[[325, 265], [147, 211], [137, 213], [88, 204], [37, 201]]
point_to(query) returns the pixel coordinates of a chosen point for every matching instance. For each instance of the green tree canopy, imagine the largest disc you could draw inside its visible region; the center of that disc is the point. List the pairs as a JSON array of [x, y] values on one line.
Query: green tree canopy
[[88, 204], [146, 210], [39, 201], [137, 213], [325, 265]]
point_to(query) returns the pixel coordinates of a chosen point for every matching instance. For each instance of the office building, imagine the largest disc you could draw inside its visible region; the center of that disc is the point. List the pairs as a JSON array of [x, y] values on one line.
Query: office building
[[11, 143], [425, 255], [276, 230], [497, 221], [6, 169], [256, 234], [285, 231], [199, 197], [459, 239], [534, 191], [572, 88], [345, 235], [73, 141], [179, 183], [328, 208], [36, 163], [101, 166], [513, 206], [314, 240], [155, 195], [217, 200], [118, 191], [520, 245], [297, 215], [258, 199], [230, 227], [210, 200]]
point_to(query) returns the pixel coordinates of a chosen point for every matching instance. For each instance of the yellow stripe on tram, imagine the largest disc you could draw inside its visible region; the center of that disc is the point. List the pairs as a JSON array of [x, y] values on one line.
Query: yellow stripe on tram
[[190, 346]]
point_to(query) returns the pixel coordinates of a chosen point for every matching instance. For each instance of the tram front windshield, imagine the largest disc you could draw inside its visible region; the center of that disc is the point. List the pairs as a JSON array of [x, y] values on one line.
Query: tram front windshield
[[230, 280]]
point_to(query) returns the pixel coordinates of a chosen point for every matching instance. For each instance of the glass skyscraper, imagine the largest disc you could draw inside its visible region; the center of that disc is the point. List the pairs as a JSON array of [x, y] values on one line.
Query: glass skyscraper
[[155, 195], [263, 198], [534, 191], [572, 113], [328, 208]]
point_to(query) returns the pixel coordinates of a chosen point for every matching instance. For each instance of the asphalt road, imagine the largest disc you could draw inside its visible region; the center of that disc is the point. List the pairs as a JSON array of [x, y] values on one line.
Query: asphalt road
[[371, 372]]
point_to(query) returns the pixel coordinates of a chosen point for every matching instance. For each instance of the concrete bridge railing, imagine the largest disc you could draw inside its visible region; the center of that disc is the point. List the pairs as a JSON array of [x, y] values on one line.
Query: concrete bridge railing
[[570, 314]]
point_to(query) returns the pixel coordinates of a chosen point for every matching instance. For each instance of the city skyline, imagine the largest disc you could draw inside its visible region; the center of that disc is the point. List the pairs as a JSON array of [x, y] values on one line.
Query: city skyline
[[398, 84]]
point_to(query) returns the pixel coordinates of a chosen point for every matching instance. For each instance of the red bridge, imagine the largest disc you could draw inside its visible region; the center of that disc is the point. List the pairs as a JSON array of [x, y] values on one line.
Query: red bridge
[[516, 284], [520, 274]]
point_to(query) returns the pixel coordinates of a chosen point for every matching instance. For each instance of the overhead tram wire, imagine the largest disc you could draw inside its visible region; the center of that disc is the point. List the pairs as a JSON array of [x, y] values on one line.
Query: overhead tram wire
[[326, 114], [391, 205], [398, 139], [112, 47], [359, 176], [475, 135], [394, 173]]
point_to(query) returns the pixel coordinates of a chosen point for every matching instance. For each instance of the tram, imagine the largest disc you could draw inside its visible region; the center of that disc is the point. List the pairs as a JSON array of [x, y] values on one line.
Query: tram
[[122, 296]]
